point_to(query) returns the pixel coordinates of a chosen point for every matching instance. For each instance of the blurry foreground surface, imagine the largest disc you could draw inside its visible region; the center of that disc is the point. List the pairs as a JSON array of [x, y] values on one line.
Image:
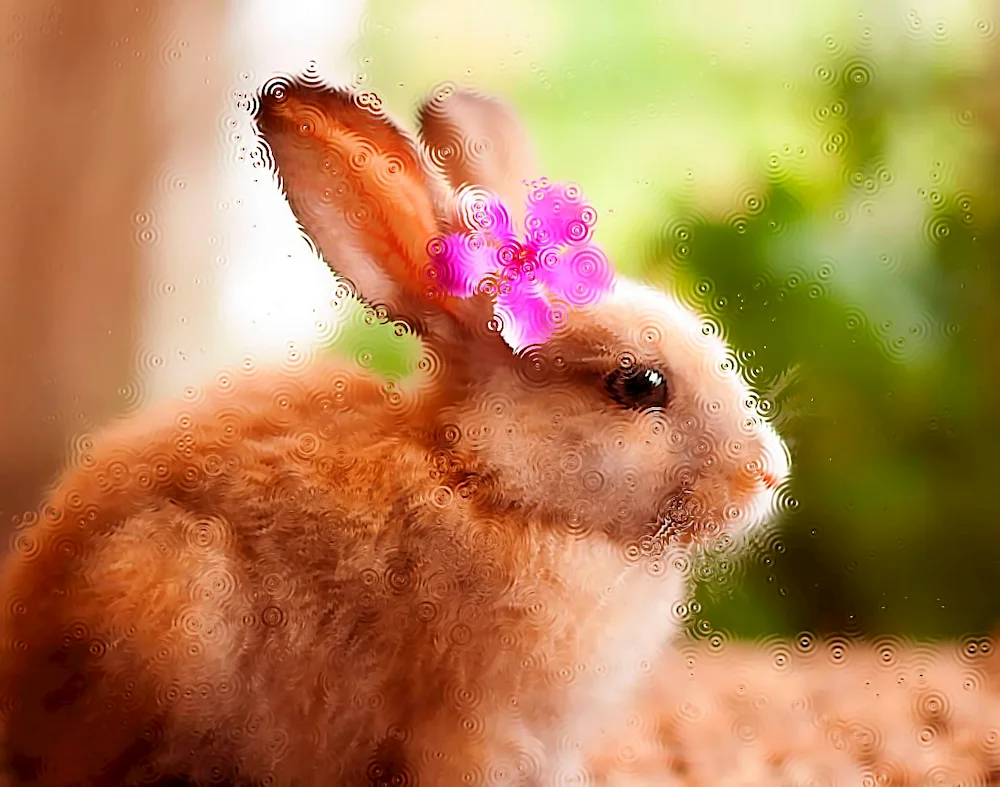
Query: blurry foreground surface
[[797, 712]]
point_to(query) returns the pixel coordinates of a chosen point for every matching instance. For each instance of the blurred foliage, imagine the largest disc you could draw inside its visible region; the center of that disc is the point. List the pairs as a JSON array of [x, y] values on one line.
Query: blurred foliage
[[823, 180]]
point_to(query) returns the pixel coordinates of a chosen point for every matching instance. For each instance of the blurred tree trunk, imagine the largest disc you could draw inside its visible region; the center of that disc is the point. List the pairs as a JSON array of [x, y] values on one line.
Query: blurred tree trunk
[[81, 134]]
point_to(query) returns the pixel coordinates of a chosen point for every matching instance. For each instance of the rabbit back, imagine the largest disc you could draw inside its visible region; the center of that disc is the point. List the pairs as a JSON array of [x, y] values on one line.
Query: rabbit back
[[181, 567], [291, 580]]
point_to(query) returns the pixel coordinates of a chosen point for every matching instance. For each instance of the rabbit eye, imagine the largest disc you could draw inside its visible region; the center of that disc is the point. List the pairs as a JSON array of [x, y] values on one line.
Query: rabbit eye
[[637, 387]]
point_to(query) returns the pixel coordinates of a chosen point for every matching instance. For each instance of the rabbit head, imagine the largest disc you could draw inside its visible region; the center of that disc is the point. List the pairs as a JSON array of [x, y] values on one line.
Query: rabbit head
[[629, 419]]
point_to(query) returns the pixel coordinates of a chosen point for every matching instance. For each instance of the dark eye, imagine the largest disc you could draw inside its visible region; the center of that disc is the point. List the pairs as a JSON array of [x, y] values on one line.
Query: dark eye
[[637, 387]]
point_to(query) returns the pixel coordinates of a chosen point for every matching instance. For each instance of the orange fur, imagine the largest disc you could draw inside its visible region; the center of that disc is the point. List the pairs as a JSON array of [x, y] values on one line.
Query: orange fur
[[315, 577]]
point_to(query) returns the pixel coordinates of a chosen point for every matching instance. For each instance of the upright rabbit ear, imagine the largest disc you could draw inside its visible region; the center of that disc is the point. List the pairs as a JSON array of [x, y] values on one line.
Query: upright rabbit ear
[[478, 140], [353, 179]]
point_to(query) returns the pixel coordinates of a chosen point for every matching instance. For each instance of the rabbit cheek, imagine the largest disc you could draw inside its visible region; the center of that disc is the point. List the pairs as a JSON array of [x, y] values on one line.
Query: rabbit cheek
[[633, 488]]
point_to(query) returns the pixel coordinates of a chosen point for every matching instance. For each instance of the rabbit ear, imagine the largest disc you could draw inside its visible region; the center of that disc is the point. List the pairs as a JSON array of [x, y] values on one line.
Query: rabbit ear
[[353, 179], [478, 140]]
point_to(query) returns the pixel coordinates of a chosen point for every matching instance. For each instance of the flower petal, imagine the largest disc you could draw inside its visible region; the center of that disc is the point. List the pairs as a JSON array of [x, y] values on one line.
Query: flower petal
[[578, 275], [526, 314], [460, 261], [482, 211], [558, 215]]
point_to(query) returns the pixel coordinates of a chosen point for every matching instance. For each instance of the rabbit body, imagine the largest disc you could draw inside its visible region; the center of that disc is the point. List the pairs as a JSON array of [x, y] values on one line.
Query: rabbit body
[[354, 603], [316, 577]]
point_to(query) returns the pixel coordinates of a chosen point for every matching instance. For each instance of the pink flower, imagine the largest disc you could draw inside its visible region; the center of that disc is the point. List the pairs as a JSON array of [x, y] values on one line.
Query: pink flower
[[555, 258]]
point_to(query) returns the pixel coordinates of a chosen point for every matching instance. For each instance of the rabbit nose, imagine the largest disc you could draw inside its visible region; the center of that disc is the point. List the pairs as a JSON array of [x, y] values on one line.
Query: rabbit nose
[[772, 464], [771, 481], [765, 466]]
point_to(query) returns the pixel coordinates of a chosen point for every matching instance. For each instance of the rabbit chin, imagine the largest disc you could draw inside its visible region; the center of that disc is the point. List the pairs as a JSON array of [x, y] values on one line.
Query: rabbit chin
[[710, 509], [683, 518]]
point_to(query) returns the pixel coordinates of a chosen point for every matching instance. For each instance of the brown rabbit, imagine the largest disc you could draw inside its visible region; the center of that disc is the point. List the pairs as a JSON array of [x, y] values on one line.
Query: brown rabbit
[[320, 578]]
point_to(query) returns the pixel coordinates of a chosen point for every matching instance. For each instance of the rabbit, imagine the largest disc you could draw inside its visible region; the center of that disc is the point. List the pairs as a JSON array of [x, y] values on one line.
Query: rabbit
[[317, 576]]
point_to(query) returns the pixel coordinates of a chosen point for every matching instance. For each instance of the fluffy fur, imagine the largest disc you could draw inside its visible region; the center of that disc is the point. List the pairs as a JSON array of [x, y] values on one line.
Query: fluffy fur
[[317, 578]]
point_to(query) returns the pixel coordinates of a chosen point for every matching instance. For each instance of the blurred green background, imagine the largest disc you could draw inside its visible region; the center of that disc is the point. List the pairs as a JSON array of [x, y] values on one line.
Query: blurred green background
[[823, 179]]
